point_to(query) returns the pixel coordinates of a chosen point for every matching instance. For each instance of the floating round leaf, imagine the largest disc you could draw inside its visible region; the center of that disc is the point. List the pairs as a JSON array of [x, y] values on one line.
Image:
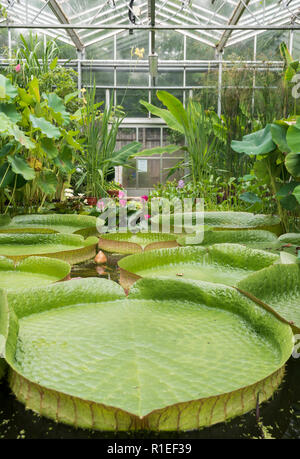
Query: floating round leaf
[[277, 287], [221, 220], [173, 355], [31, 272], [77, 224], [72, 248], [127, 243], [220, 263], [251, 238]]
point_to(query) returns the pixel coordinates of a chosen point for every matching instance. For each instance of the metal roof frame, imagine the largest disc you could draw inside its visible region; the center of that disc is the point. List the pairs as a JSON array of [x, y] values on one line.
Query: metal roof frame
[[198, 20]]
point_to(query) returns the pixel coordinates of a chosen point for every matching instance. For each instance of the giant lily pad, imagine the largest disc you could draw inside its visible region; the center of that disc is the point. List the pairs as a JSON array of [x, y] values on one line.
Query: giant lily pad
[[127, 243], [72, 248], [77, 224], [219, 263], [33, 271], [259, 239], [172, 356], [278, 288], [223, 220]]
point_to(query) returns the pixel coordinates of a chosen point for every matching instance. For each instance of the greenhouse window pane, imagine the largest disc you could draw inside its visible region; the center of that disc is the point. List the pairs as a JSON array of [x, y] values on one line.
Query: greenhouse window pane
[[133, 47], [169, 45], [130, 100], [101, 50], [195, 50]]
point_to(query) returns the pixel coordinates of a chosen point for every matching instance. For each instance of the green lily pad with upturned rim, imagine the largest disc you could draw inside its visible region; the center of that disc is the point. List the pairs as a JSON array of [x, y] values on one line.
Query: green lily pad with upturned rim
[[172, 356], [258, 239], [219, 263], [72, 248], [127, 243], [222, 221], [84, 225], [277, 288], [31, 272]]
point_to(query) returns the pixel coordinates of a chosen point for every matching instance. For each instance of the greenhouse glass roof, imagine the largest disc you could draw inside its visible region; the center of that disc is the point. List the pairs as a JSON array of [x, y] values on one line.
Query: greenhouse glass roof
[[101, 19]]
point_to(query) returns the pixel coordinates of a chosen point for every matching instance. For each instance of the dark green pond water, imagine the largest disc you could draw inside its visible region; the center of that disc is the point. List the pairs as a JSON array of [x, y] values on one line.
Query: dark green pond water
[[277, 418]]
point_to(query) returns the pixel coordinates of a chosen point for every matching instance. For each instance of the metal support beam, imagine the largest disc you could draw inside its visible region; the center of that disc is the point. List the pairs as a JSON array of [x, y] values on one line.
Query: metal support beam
[[235, 17], [63, 19]]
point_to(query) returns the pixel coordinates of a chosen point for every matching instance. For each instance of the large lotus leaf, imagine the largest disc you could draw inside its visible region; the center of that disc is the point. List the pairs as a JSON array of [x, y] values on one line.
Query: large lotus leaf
[[7, 90], [292, 163], [223, 220], [61, 115], [72, 248], [20, 167], [251, 238], [47, 182], [296, 193], [127, 243], [10, 129], [31, 272], [77, 224], [220, 263], [278, 287], [257, 143], [51, 131], [279, 134], [90, 357], [293, 139], [11, 112]]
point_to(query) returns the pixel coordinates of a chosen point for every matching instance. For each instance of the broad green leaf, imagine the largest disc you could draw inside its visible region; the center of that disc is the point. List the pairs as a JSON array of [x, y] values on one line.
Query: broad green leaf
[[286, 189], [34, 89], [6, 150], [159, 150], [70, 97], [121, 157], [293, 139], [257, 143], [279, 137], [174, 106], [11, 112], [20, 166], [296, 193], [9, 129], [289, 202], [7, 176], [61, 115], [64, 161], [49, 147], [7, 90], [292, 163], [250, 197], [47, 182], [51, 131], [168, 117]]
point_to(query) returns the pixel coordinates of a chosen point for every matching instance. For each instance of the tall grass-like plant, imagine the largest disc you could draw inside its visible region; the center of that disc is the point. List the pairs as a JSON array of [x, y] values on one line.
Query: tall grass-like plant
[[34, 58], [100, 130]]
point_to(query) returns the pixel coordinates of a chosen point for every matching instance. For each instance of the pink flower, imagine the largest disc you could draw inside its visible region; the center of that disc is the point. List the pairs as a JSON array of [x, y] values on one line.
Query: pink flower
[[100, 206], [123, 202], [144, 198], [147, 217], [18, 67], [121, 194]]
